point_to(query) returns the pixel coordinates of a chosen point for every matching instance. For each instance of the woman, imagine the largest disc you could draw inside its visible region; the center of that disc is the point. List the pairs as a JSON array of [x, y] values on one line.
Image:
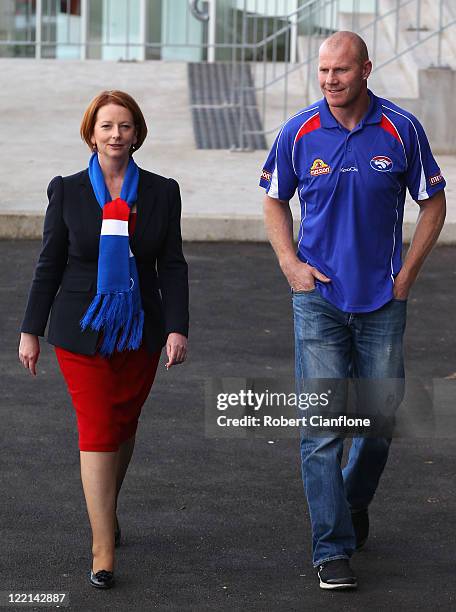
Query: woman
[[112, 273]]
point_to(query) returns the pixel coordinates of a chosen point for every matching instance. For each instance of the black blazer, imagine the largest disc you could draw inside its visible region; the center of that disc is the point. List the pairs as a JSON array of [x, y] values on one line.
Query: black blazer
[[65, 279]]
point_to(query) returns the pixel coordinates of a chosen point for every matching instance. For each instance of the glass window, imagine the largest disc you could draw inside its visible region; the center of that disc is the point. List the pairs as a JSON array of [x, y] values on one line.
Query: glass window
[[17, 28], [113, 31]]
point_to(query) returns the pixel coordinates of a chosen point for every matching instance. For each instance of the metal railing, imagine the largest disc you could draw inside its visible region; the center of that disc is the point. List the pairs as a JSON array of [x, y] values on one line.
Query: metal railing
[[401, 26], [279, 39]]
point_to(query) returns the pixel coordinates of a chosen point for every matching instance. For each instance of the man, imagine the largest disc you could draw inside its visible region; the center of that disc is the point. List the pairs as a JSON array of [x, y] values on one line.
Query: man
[[351, 156]]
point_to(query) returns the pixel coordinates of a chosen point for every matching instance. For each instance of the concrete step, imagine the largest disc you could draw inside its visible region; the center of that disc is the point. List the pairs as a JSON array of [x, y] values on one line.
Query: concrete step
[[278, 101], [220, 193]]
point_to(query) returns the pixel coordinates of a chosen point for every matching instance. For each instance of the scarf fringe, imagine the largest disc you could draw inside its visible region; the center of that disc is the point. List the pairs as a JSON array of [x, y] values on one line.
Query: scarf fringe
[[137, 328], [87, 318], [129, 317], [115, 317]]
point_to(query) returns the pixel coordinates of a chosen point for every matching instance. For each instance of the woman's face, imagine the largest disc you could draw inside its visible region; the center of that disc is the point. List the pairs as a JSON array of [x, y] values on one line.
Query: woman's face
[[114, 132]]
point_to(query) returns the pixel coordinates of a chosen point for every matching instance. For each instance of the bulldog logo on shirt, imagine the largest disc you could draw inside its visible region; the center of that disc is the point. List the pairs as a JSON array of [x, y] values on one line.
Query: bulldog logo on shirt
[[319, 167], [381, 163]]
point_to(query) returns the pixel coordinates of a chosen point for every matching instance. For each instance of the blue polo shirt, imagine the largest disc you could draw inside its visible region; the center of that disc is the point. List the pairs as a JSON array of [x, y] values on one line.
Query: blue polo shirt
[[351, 187]]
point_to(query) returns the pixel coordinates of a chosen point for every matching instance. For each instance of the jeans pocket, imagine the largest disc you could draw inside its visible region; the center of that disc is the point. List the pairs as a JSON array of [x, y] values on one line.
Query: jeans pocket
[[303, 291], [400, 301]]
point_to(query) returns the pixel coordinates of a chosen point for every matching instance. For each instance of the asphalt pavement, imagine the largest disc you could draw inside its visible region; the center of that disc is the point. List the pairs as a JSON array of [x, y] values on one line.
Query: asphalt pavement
[[220, 524]]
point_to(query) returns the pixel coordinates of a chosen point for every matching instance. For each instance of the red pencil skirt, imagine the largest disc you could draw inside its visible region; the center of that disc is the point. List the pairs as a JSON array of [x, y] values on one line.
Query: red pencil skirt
[[107, 394]]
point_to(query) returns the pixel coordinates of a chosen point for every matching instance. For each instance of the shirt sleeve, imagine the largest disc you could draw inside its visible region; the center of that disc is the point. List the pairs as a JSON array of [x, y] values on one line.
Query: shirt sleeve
[[278, 176], [172, 268], [51, 263], [423, 175]]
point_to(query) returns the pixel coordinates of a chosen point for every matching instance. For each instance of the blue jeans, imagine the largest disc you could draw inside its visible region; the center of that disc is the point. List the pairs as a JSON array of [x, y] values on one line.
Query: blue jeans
[[332, 344]]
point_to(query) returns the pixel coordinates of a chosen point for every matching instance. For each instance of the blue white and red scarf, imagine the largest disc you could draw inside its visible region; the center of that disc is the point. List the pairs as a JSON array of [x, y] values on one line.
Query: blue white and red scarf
[[116, 310]]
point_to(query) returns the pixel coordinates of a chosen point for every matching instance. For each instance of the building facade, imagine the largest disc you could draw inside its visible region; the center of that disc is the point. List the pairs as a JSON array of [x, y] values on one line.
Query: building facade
[[153, 29]]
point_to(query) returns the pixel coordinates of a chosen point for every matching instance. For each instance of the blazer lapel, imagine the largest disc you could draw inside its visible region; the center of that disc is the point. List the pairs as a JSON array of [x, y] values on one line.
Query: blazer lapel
[[85, 182], [90, 214], [144, 205]]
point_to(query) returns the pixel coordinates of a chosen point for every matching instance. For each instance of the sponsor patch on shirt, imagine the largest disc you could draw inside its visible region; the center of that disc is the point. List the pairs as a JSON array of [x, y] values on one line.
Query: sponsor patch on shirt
[[266, 175], [382, 163], [319, 167], [437, 178]]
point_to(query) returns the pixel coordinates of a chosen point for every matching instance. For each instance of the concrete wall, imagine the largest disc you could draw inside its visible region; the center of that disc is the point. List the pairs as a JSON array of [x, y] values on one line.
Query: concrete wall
[[43, 103], [435, 107]]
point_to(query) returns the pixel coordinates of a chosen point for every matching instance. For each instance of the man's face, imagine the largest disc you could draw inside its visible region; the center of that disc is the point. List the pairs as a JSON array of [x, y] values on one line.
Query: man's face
[[341, 74]]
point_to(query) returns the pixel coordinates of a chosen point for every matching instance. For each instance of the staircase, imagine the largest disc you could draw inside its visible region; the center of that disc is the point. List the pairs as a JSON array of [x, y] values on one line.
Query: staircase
[[404, 37], [409, 28], [218, 114]]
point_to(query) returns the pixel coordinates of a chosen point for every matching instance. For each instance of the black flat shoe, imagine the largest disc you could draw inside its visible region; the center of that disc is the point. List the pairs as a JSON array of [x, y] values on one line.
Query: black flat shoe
[[117, 534], [102, 579]]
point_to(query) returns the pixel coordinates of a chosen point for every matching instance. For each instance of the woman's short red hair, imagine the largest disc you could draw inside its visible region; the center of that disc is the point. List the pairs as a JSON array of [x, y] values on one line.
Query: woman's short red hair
[[113, 97]]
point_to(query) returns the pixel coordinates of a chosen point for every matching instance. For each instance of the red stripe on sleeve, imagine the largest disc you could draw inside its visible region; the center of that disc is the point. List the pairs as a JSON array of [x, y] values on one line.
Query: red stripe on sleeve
[[309, 126], [388, 126]]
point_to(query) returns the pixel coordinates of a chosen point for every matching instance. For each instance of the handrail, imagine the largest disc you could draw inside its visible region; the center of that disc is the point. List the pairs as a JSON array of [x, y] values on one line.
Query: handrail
[[416, 44], [265, 40], [392, 11], [288, 16], [308, 10]]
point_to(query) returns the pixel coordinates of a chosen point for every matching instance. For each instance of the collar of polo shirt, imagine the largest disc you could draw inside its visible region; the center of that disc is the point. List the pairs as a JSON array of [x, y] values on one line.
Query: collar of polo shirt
[[373, 115]]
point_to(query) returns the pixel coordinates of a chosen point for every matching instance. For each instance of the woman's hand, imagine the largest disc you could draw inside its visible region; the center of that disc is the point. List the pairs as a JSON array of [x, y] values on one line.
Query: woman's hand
[[29, 351], [176, 349]]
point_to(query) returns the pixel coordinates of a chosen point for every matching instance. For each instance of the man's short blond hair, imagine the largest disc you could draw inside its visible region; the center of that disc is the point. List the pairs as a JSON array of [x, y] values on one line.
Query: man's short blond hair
[[344, 36]]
